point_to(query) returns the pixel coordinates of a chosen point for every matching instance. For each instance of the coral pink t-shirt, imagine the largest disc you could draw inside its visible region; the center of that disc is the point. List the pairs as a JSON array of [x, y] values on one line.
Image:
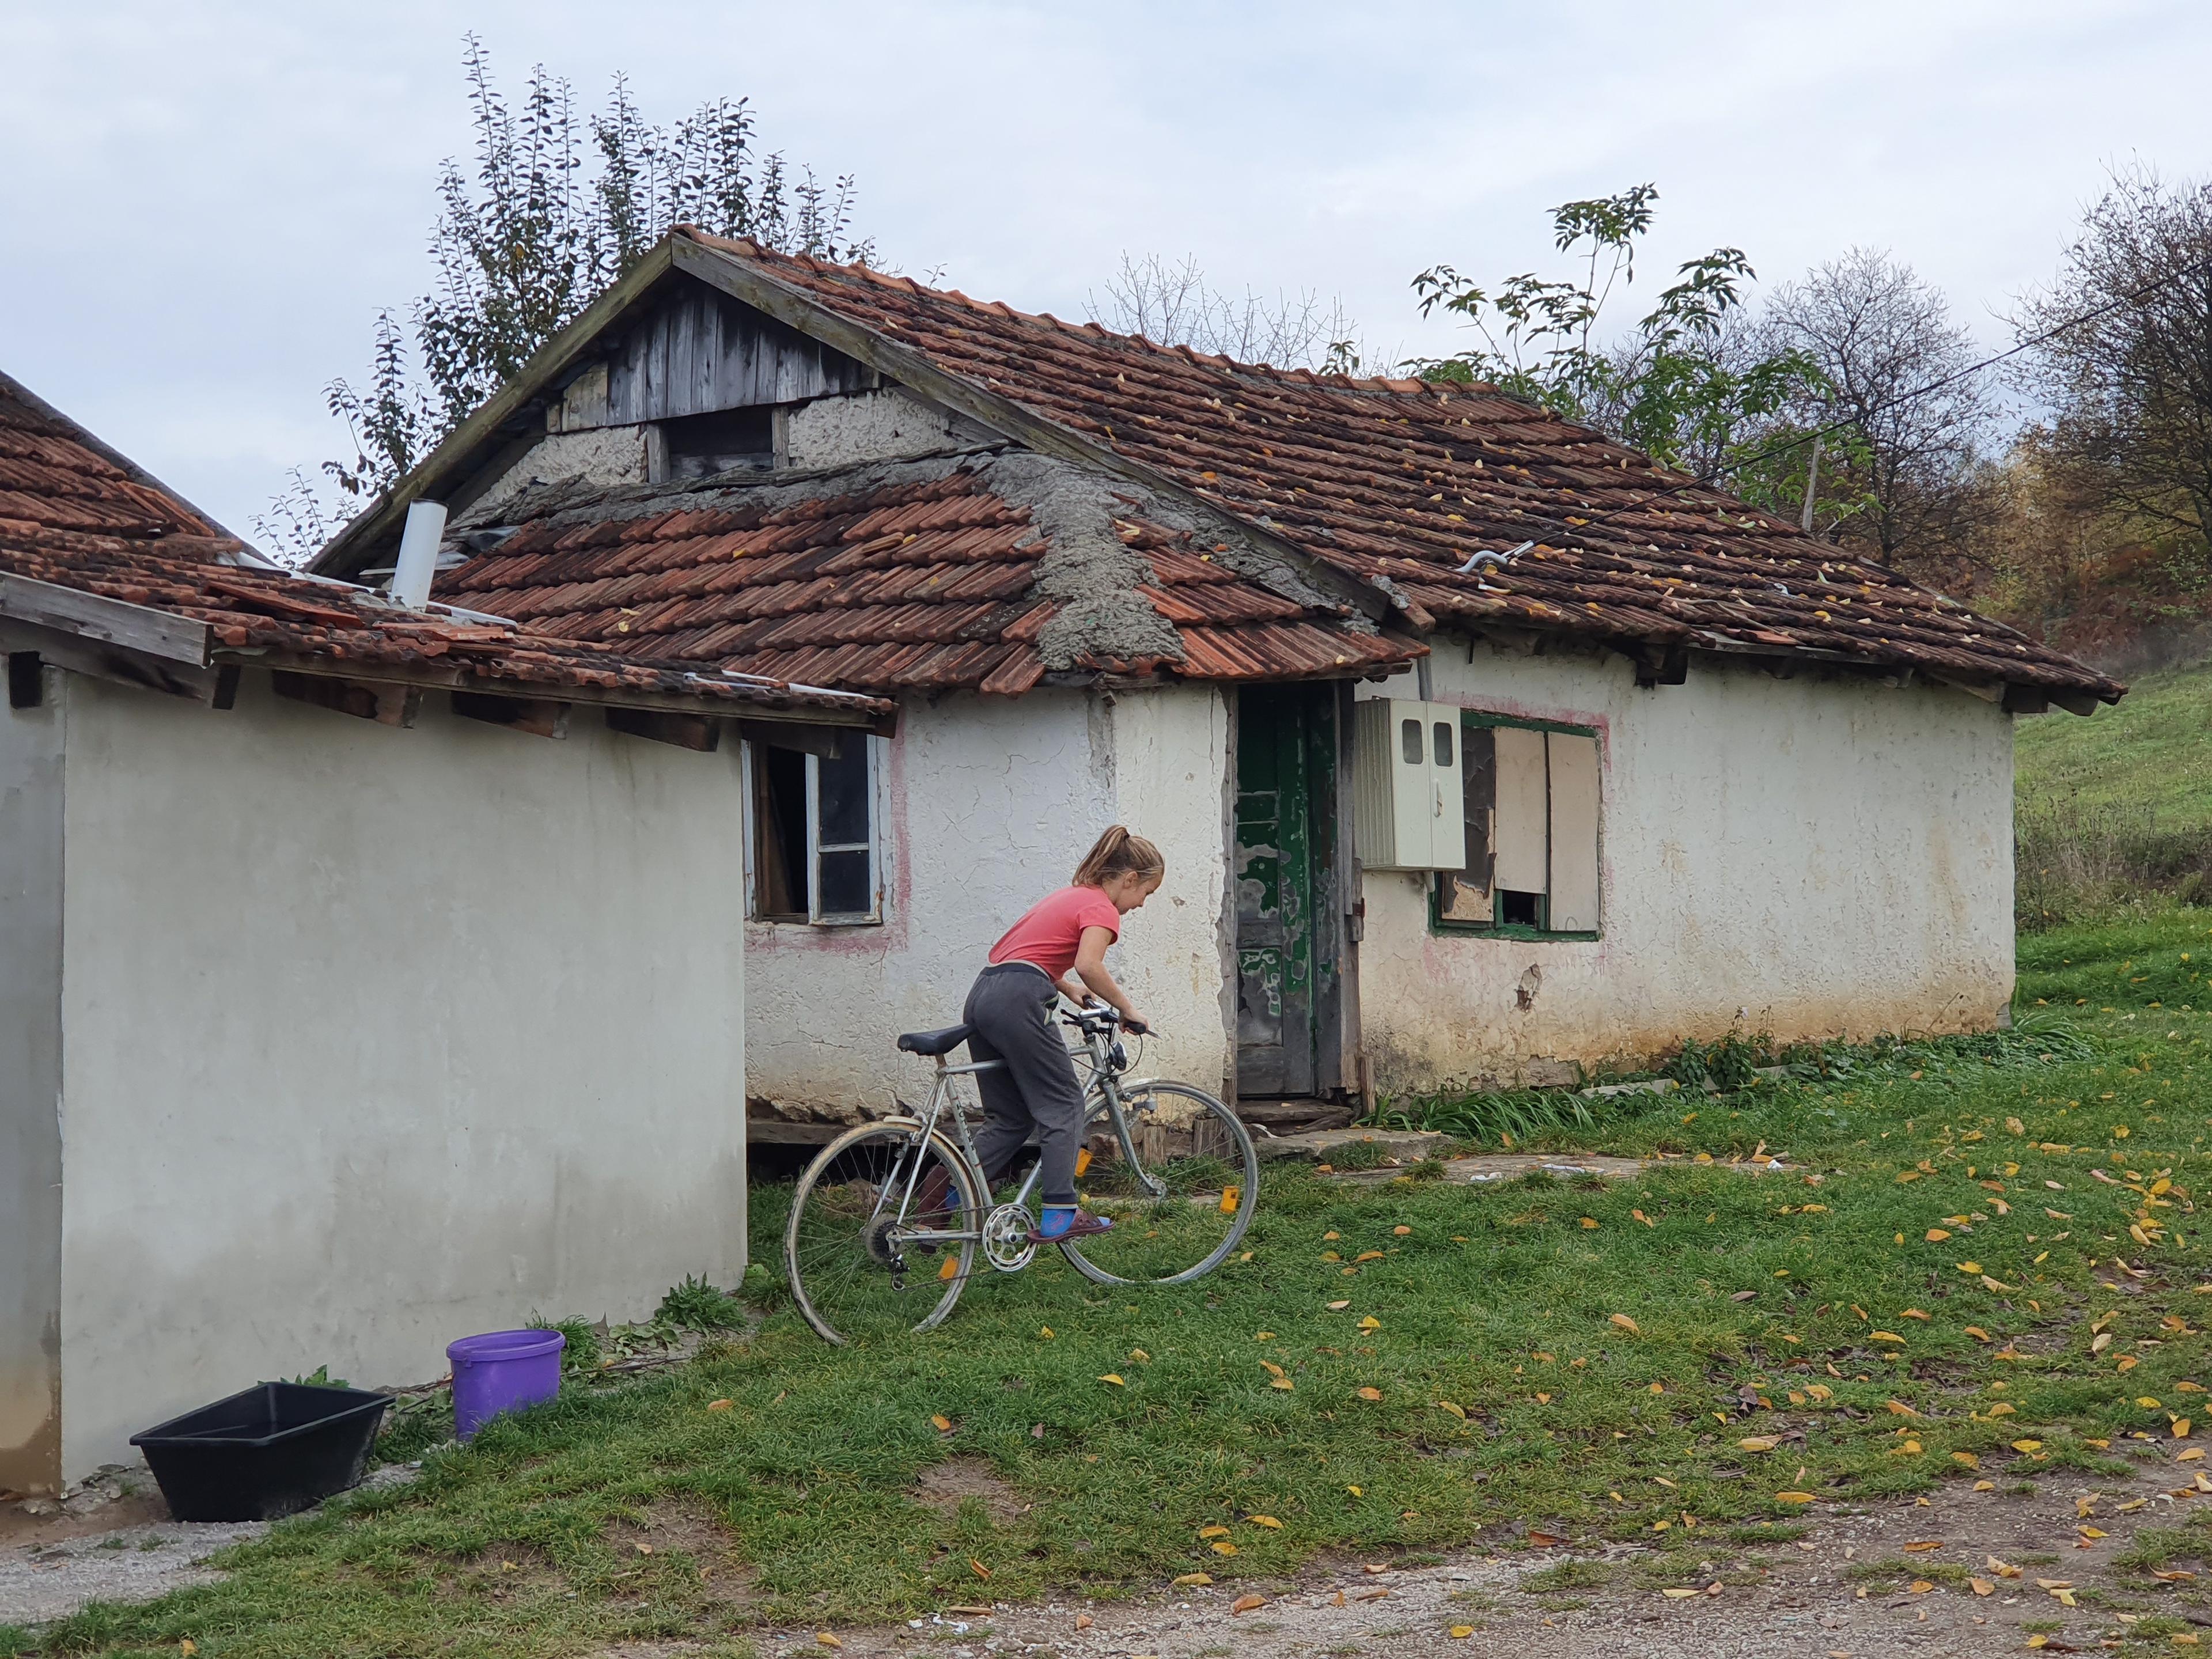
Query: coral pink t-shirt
[[1048, 935]]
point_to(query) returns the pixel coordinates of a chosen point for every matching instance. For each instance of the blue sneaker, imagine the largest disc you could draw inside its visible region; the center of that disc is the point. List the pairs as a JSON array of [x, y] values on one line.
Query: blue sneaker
[[1064, 1221]]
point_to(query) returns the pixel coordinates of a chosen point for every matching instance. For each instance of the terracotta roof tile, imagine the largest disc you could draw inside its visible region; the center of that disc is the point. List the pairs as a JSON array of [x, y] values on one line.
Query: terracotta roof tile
[[76, 519], [1401, 480], [927, 582]]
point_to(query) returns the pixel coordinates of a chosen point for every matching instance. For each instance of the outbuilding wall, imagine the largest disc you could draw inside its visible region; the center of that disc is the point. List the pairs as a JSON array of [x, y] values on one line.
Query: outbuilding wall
[[991, 802], [31, 804], [381, 1037], [1817, 857]]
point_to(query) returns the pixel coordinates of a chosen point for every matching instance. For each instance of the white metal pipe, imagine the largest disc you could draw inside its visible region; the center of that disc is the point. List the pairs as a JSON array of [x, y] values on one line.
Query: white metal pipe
[[418, 553]]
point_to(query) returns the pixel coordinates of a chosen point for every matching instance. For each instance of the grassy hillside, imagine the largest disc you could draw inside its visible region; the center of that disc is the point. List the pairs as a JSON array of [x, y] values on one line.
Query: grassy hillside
[[2150, 758], [2117, 809]]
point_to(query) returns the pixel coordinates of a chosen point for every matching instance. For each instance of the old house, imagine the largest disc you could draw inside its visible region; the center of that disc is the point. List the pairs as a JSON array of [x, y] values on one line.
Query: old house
[[1480, 745], [342, 1014]]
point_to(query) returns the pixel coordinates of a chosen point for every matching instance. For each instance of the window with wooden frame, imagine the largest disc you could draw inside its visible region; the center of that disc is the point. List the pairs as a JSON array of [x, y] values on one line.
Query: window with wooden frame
[[814, 847], [1531, 799]]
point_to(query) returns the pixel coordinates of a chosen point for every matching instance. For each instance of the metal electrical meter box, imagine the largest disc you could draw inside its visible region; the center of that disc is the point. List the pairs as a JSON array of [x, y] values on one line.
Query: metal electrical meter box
[[1407, 813]]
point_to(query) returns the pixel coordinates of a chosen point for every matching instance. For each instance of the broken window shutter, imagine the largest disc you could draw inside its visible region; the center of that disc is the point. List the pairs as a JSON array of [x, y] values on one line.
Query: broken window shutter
[[1447, 821], [1465, 895], [1573, 765], [1521, 850]]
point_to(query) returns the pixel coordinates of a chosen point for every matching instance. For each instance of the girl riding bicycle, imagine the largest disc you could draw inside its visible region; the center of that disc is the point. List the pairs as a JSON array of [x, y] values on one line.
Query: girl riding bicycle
[[1058, 949]]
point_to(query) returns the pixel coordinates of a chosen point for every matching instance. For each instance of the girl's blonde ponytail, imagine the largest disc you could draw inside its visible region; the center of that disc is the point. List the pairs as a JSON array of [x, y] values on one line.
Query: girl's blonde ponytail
[[1119, 853]]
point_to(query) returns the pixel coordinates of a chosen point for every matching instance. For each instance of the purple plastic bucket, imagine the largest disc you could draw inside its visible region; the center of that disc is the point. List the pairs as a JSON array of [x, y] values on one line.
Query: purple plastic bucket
[[502, 1371]]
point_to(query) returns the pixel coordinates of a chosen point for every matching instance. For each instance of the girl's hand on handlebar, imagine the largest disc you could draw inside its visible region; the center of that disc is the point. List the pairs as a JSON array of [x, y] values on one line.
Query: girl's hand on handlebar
[[1132, 1022]]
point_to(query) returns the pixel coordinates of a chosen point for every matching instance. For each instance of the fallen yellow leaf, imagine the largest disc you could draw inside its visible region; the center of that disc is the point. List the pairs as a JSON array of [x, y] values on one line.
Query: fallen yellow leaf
[[1248, 1603], [1885, 1336], [1044, 1330], [1625, 1323], [1215, 1531], [718, 1405], [1793, 1498], [1923, 1544], [1337, 1307], [1369, 1322], [1266, 1521], [950, 1268], [1969, 1266], [1222, 1546], [941, 1422], [1981, 1587], [1369, 1393], [1459, 1412], [1898, 1408], [978, 1568], [1460, 1632], [1966, 1460], [1285, 1384], [1194, 1578], [1680, 1595], [1140, 1356], [1357, 1492], [1758, 1443], [1115, 1377], [1937, 1234], [1588, 1222], [1369, 1255], [1271, 1368], [823, 1639], [2028, 1445], [1402, 1232], [1229, 1196]]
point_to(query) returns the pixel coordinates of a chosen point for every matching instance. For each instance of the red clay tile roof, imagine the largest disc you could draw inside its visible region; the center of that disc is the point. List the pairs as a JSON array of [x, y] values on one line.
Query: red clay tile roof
[[921, 582], [73, 515], [1398, 482]]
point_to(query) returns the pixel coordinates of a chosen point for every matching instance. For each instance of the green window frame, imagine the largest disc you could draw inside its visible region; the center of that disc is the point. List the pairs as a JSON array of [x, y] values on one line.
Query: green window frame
[[1550, 837]]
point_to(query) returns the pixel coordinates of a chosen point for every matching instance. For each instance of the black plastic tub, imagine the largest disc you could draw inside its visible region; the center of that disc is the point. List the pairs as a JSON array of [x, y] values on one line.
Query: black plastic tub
[[270, 1450]]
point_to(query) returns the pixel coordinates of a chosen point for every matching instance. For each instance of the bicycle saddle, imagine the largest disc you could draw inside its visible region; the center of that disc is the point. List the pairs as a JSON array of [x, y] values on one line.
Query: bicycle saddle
[[942, 1042]]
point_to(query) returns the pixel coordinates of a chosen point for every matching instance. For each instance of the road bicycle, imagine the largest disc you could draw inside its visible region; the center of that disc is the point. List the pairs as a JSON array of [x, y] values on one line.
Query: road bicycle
[[887, 1221]]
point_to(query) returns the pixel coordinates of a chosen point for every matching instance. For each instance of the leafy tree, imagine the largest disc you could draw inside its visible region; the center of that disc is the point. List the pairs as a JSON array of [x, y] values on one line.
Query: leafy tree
[[2120, 351], [1688, 384], [551, 210]]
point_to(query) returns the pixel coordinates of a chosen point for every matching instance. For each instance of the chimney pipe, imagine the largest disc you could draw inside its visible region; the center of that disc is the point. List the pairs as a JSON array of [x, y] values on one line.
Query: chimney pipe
[[418, 553]]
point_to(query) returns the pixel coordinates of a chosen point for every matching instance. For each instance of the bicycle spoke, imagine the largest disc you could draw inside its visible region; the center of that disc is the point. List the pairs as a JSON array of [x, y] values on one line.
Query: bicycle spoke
[[1183, 1206], [854, 1269]]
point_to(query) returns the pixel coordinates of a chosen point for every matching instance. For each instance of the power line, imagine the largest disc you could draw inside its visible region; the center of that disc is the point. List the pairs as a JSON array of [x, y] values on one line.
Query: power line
[[1706, 480]]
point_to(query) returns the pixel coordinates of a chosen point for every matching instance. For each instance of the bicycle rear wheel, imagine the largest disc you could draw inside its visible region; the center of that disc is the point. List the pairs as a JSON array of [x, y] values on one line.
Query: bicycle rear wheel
[[1186, 1201], [856, 1267]]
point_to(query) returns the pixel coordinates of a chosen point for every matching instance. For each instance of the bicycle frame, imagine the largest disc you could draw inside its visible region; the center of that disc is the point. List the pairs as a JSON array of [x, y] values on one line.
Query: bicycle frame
[[1103, 1090]]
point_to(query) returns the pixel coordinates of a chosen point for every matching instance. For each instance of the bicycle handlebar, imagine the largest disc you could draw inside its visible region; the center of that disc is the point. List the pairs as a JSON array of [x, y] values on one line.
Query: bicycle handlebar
[[1104, 1019]]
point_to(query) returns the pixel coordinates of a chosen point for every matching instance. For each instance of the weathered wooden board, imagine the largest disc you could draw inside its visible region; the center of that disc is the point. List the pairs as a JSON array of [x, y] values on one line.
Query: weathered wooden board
[[703, 352], [1574, 766], [1520, 829]]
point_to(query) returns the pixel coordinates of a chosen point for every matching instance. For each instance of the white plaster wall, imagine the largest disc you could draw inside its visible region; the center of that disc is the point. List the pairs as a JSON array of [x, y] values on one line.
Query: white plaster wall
[[870, 425], [993, 801], [607, 455], [376, 1038], [1816, 857]]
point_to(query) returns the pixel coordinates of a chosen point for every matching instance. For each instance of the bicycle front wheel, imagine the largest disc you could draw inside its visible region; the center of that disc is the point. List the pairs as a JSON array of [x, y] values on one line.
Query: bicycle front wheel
[[882, 1232], [1184, 1202]]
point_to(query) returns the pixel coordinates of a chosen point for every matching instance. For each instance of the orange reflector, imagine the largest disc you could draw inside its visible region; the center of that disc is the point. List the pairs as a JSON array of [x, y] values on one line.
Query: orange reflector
[[952, 1267], [1083, 1160], [1228, 1200]]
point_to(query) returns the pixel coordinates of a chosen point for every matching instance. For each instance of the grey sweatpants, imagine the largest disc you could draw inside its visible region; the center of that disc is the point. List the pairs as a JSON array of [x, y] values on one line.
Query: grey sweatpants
[[1011, 1008]]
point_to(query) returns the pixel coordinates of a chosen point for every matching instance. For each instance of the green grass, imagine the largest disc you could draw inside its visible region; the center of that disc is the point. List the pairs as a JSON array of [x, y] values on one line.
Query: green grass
[[2148, 752], [797, 1496]]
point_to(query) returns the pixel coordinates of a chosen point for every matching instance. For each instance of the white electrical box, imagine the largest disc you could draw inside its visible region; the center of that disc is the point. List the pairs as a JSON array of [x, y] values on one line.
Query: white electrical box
[[1408, 811]]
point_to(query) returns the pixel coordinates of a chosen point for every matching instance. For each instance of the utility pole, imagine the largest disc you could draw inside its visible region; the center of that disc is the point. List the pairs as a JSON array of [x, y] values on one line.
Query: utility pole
[[1812, 483]]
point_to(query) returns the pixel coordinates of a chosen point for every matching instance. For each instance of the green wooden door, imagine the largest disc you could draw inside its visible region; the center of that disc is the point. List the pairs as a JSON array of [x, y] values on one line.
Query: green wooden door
[[1285, 760]]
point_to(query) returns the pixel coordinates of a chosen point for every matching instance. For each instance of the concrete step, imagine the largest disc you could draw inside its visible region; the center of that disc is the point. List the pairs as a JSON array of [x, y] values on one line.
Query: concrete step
[[1405, 1145]]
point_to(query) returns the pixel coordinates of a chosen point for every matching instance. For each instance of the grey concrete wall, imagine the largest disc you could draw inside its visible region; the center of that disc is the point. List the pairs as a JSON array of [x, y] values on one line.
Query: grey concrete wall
[[378, 1037], [31, 781]]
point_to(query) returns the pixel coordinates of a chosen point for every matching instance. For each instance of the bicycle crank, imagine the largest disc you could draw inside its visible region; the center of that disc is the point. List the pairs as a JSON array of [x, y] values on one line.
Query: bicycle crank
[[1006, 1237]]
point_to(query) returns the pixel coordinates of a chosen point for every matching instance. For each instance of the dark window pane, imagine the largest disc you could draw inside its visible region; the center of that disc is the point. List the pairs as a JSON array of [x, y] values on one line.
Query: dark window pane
[[1464, 894], [1409, 741], [779, 834], [844, 795], [1520, 909], [1444, 743], [845, 890]]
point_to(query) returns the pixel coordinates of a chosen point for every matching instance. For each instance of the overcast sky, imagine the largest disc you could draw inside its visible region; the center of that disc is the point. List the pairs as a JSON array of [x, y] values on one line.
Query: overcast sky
[[202, 206]]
